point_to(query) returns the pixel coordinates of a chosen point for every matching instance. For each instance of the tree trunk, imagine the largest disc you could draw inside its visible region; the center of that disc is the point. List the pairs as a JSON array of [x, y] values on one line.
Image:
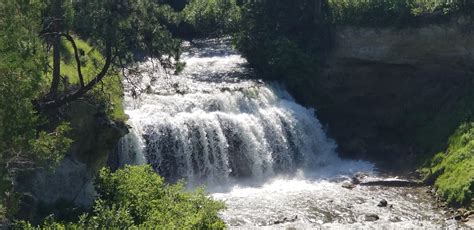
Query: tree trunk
[[56, 67], [57, 25]]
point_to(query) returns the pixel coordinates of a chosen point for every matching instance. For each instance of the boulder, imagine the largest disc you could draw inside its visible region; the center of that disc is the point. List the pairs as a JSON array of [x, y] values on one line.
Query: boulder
[[382, 203]]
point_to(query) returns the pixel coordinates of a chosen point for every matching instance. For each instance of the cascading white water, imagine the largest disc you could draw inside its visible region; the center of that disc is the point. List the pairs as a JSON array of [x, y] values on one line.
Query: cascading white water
[[256, 149], [207, 126]]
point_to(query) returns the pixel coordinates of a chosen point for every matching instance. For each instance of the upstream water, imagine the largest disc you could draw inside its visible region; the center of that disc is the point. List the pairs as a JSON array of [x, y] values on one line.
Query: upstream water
[[256, 149]]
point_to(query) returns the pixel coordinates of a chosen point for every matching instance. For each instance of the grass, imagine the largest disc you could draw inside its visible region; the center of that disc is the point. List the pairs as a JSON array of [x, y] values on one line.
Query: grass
[[452, 133], [109, 92], [456, 167], [393, 12]]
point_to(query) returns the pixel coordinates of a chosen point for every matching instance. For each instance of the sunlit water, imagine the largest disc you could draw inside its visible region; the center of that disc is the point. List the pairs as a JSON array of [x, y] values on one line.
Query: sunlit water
[[256, 149]]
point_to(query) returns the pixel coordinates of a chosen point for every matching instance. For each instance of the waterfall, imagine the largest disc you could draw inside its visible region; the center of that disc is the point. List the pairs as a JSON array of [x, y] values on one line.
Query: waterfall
[[256, 149], [211, 124]]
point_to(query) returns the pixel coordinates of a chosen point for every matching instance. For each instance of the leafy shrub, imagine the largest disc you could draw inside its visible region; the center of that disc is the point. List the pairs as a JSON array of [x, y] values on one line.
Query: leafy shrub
[[49, 148], [136, 197]]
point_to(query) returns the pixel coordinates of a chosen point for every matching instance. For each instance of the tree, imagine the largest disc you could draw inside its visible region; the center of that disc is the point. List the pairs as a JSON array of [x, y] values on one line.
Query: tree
[[124, 30], [22, 65], [280, 36]]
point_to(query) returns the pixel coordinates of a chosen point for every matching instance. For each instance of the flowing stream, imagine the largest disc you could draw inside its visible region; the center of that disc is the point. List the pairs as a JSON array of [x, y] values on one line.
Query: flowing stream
[[256, 149]]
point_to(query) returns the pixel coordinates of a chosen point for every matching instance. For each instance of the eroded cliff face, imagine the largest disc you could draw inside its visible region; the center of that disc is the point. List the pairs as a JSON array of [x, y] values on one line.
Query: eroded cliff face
[[447, 46], [394, 94]]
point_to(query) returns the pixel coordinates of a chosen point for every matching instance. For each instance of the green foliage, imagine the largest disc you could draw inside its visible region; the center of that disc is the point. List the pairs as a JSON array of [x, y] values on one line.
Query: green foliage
[[283, 40], [456, 166], [49, 148], [149, 201], [21, 67], [134, 28], [393, 12], [135, 197], [211, 18], [372, 12]]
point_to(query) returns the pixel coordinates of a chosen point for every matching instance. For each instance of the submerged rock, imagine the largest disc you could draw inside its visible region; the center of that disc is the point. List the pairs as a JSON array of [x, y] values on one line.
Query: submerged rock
[[395, 219], [348, 185], [286, 219], [371, 217]]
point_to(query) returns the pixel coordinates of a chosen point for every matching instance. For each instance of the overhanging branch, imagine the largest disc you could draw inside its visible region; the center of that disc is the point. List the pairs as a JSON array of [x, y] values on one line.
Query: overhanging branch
[[83, 90]]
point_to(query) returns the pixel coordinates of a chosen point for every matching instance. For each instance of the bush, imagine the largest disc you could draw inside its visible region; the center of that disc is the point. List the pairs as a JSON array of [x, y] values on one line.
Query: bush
[[136, 197]]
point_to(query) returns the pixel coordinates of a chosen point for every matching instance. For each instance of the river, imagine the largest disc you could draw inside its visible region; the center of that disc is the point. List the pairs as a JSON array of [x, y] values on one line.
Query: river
[[253, 147]]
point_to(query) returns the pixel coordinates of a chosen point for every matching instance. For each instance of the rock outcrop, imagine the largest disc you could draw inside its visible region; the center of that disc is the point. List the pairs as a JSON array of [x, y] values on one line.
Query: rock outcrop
[[95, 136], [388, 94]]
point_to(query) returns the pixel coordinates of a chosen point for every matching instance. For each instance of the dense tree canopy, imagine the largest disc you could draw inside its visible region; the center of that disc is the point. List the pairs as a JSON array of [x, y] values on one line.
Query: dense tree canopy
[[125, 32], [284, 40]]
